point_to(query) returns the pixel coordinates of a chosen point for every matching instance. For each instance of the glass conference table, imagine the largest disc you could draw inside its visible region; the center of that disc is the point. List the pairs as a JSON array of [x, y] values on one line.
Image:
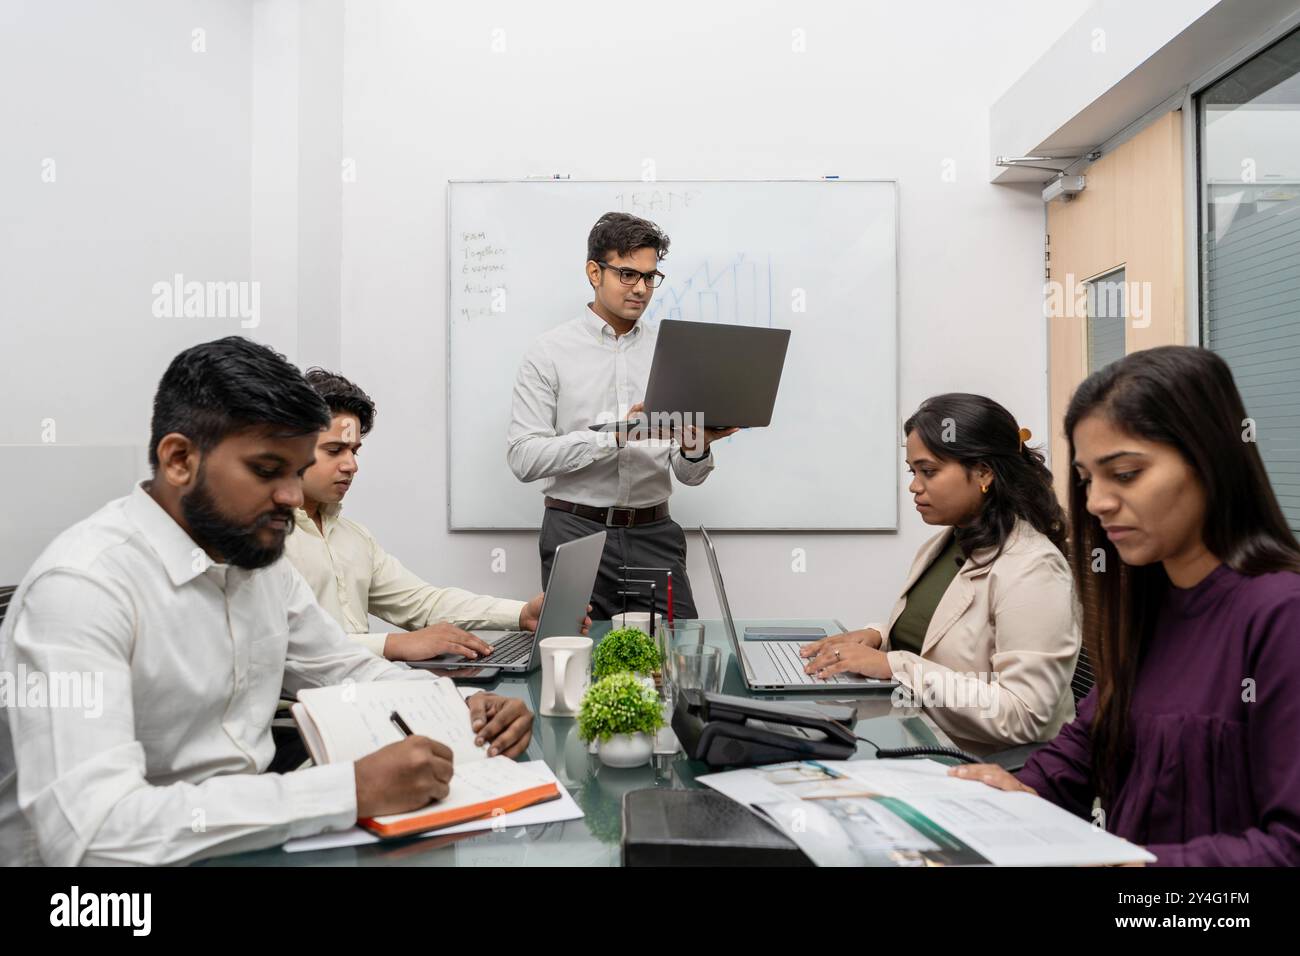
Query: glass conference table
[[594, 839]]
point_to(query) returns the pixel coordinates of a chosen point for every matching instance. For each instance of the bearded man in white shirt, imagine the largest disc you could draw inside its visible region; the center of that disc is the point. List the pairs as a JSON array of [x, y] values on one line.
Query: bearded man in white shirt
[[591, 370], [175, 601], [353, 577]]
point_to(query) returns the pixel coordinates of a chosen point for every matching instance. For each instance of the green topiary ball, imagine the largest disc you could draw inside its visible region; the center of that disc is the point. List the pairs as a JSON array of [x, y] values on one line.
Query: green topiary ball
[[627, 649], [619, 704]]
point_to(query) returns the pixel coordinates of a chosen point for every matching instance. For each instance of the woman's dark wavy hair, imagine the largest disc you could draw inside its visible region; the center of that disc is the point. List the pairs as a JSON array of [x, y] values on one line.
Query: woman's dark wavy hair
[[973, 430], [1184, 397]]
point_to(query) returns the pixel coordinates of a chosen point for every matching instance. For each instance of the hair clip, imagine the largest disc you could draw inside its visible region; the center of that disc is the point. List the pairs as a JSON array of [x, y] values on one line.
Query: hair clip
[[1025, 435]]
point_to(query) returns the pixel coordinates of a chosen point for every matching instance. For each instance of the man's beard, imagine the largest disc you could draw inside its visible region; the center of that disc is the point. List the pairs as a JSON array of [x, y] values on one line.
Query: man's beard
[[236, 543]]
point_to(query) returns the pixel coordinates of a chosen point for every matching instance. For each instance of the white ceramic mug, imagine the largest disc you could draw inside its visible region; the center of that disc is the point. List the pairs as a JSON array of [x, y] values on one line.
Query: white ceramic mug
[[637, 619], [566, 671]]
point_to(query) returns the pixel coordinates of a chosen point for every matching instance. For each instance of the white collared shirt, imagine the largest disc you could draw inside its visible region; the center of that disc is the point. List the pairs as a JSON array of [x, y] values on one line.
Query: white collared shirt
[[191, 657], [352, 576], [581, 374]]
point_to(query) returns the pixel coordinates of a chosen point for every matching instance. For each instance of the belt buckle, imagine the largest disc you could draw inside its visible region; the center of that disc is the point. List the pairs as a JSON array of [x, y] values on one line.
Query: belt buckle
[[609, 517]]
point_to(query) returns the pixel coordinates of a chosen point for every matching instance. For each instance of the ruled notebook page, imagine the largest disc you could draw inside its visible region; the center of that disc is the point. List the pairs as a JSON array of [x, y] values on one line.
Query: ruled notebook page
[[353, 720]]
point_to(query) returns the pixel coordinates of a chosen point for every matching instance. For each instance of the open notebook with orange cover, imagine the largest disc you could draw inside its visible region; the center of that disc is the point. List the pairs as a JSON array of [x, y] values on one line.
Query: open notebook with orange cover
[[350, 721]]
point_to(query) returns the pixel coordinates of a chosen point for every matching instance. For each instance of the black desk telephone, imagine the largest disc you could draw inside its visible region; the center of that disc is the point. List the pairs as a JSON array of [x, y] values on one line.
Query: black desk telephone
[[725, 731]]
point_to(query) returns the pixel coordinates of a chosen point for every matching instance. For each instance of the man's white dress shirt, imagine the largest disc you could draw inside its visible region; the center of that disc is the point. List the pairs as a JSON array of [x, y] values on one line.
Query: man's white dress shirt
[[191, 657], [580, 374]]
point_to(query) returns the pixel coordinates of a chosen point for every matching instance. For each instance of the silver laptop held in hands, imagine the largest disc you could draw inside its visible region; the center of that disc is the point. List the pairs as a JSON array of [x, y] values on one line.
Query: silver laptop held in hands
[[769, 663], [728, 375]]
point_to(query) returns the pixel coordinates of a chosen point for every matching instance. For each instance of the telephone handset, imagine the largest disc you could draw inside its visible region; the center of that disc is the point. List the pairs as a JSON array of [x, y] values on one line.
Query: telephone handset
[[726, 731]]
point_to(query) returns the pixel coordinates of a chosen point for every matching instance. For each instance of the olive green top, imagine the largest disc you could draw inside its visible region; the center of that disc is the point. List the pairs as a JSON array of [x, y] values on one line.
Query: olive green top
[[908, 632]]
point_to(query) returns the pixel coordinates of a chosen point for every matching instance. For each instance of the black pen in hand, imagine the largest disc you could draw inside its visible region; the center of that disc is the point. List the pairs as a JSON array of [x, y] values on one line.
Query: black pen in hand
[[400, 724]]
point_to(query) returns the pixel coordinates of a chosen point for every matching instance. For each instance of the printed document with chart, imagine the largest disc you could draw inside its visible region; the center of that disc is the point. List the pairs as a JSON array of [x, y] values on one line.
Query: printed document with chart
[[912, 813]]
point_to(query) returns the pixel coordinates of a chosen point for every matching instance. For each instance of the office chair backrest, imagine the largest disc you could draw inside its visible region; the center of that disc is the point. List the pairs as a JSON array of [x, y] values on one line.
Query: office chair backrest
[[1082, 681], [6, 592]]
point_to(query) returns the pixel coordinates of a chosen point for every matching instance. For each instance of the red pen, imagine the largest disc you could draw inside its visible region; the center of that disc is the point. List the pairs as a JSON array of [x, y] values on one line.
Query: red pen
[[670, 598]]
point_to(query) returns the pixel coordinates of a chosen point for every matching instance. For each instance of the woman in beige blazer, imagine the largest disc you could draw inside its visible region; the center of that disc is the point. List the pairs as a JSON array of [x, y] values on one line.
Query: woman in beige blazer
[[986, 632]]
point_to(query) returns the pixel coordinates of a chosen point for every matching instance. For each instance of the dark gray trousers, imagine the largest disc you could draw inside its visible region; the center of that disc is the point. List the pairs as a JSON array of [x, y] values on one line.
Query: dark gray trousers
[[661, 544]]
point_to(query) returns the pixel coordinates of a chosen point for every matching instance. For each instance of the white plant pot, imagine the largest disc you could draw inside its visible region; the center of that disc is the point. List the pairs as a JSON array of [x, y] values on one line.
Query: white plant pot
[[626, 750]]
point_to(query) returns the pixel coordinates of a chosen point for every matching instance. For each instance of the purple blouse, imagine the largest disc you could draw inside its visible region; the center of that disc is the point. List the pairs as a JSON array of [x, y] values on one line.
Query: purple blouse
[[1215, 773]]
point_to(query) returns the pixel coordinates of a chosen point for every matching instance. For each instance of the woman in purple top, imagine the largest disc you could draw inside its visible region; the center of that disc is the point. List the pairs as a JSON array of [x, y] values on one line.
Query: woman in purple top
[[1190, 584]]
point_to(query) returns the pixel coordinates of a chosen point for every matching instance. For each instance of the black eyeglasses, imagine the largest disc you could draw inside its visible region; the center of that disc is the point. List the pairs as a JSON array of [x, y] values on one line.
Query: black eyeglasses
[[630, 277]]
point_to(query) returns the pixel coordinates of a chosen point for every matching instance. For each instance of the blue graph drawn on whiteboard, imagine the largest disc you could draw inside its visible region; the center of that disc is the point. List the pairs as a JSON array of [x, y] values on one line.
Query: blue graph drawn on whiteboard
[[738, 292]]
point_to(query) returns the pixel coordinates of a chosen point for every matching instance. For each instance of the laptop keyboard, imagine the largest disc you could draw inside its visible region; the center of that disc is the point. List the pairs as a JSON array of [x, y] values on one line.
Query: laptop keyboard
[[790, 666], [514, 647]]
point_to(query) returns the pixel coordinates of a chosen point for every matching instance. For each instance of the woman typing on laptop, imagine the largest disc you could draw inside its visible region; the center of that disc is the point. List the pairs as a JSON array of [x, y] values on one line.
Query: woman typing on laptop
[[985, 634]]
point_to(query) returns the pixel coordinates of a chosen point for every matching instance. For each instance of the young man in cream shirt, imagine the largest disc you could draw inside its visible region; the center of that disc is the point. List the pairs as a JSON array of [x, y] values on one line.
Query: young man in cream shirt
[[353, 577]]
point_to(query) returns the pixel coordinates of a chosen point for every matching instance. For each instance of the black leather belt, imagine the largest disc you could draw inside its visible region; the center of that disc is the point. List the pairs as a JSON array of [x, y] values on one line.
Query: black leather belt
[[612, 517]]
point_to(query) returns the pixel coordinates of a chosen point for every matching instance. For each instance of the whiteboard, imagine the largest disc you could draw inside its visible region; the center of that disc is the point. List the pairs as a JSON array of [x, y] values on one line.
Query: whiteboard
[[816, 257]]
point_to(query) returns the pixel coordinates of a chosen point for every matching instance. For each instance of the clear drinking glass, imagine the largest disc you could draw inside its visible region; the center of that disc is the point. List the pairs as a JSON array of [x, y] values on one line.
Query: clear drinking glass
[[697, 667], [686, 633]]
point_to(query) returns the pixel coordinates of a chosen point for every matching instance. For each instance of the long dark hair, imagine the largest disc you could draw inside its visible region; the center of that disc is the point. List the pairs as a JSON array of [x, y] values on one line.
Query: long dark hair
[[1183, 397], [974, 430]]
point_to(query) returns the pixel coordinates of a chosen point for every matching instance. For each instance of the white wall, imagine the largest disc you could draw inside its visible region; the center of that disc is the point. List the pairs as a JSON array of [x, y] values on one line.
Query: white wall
[[150, 147], [201, 166]]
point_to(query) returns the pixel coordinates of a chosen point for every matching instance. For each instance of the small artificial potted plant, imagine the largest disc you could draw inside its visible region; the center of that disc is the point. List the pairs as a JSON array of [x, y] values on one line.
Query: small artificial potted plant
[[627, 649], [621, 714]]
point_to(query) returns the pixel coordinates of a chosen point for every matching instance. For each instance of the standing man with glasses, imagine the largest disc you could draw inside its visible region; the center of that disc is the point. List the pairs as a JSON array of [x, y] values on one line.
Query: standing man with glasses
[[590, 370]]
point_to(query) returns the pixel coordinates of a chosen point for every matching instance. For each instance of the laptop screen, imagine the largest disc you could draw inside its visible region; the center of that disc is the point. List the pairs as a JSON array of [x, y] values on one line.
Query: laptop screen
[[721, 590], [573, 575]]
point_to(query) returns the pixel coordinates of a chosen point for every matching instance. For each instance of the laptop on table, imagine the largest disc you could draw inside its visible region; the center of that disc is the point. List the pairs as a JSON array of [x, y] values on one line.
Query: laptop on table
[[568, 592], [768, 657]]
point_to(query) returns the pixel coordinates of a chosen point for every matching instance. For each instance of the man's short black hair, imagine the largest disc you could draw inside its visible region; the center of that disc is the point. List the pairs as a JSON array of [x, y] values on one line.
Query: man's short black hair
[[621, 234], [214, 389], [343, 397]]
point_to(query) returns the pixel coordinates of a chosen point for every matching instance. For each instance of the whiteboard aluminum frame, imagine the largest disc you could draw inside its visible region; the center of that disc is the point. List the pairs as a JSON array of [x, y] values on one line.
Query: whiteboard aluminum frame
[[474, 529]]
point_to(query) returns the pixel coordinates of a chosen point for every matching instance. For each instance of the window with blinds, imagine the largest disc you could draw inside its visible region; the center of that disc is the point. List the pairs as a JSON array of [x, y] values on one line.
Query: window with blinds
[[1105, 320], [1248, 130]]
